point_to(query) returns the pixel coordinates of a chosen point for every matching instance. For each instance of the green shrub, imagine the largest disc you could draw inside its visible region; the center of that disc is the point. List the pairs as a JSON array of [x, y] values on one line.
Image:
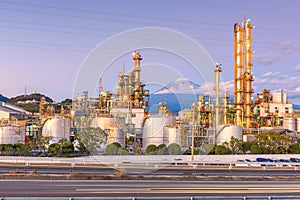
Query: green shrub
[[54, 149], [112, 149], [151, 149], [67, 147], [174, 149]]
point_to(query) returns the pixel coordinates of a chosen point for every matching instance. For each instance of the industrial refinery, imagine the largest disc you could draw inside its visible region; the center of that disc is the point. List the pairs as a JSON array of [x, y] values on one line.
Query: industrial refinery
[[125, 118]]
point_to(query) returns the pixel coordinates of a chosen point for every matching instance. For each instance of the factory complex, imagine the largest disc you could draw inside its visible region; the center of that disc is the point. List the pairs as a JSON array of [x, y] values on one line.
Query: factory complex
[[125, 118]]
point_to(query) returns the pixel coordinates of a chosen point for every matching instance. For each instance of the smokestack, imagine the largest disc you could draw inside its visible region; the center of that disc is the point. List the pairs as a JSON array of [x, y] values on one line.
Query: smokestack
[[100, 93], [217, 71]]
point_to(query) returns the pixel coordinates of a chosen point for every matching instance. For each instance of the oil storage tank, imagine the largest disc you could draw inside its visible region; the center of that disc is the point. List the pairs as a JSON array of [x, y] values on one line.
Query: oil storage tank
[[12, 134], [226, 132], [298, 125], [153, 129], [57, 127], [289, 123], [114, 127]]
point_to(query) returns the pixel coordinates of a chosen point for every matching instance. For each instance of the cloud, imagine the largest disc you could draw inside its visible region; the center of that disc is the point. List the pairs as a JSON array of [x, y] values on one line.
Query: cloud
[[266, 59], [276, 81], [297, 68], [271, 56], [270, 74], [228, 85], [289, 46]]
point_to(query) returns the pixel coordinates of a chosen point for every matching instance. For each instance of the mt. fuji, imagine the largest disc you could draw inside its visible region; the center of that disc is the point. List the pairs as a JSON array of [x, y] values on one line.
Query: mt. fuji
[[180, 86]]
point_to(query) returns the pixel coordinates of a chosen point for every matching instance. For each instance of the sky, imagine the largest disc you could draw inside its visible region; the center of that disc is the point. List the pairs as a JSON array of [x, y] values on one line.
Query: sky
[[43, 44]]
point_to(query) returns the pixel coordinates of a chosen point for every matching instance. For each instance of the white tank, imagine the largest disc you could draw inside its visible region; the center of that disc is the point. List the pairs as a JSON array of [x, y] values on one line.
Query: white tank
[[298, 125], [57, 128], [115, 130], [153, 129], [11, 134], [102, 122], [289, 123], [172, 135], [226, 132], [116, 135]]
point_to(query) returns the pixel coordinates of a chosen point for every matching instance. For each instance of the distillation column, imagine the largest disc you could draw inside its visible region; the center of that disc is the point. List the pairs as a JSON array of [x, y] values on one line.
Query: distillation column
[[248, 77], [238, 72], [137, 70], [243, 77], [137, 77]]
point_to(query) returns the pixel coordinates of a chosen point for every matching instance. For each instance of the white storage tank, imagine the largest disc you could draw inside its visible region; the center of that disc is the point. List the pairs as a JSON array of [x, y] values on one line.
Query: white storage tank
[[102, 122], [57, 128], [115, 129], [226, 132], [172, 135], [298, 125], [289, 123], [11, 134], [153, 129], [116, 135]]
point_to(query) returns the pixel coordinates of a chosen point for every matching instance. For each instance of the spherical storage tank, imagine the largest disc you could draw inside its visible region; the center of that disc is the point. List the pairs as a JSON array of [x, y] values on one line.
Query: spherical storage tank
[[226, 132], [153, 129], [57, 128], [11, 134], [289, 123]]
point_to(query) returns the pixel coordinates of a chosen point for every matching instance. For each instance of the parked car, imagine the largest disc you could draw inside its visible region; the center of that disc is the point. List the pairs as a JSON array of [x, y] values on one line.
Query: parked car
[[295, 160], [241, 163], [266, 162]]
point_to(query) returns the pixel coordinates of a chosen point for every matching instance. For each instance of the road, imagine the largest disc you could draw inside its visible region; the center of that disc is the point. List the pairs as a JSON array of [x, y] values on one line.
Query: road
[[153, 170], [154, 189]]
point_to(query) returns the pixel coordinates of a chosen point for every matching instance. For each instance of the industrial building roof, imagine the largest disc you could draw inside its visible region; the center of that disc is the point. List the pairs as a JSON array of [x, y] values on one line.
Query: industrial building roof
[[11, 109]]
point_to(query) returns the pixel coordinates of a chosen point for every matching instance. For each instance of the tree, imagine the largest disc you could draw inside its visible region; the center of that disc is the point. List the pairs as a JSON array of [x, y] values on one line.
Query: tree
[[161, 146], [67, 148], [8, 149], [123, 151], [62, 141], [174, 149], [273, 142], [137, 149], [210, 149], [246, 147], [117, 144], [235, 145], [255, 149], [54, 149], [294, 149], [112, 149], [163, 151], [92, 138], [221, 150], [43, 142], [21, 149], [83, 150], [151, 149]]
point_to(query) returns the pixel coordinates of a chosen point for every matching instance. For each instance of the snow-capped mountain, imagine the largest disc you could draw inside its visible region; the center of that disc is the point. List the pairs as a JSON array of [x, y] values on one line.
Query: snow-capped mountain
[[180, 86]]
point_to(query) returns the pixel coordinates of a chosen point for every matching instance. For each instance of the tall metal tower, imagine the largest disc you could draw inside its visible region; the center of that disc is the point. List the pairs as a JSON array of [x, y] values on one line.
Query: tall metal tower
[[243, 77]]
